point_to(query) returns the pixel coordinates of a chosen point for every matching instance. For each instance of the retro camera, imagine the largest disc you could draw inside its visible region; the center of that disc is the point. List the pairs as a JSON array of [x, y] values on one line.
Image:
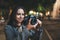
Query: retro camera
[[33, 19]]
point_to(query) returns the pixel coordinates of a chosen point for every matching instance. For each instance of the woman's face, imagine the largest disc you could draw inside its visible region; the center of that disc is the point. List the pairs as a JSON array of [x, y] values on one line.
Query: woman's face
[[20, 15]]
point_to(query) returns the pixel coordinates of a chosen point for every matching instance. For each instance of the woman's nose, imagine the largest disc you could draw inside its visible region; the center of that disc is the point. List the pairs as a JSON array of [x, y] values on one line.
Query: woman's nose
[[21, 15]]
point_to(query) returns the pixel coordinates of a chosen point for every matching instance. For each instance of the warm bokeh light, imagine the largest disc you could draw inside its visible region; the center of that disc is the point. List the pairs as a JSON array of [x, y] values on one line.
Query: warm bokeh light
[[34, 13], [41, 14], [47, 13], [31, 12], [10, 11]]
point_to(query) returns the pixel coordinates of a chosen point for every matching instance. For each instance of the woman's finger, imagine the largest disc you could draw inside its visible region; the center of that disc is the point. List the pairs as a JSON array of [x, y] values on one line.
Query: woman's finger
[[40, 22], [30, 21], [35, 25]]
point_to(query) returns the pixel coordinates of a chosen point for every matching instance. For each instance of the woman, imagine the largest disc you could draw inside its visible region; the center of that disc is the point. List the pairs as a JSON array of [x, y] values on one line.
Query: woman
[[15, 30]]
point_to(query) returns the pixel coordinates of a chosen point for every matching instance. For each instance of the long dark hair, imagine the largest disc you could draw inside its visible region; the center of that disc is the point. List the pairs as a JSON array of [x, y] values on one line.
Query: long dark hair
[[12, 21]]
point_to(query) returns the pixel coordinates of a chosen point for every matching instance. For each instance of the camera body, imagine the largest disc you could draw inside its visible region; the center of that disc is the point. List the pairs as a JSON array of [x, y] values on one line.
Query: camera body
[[33, 19]]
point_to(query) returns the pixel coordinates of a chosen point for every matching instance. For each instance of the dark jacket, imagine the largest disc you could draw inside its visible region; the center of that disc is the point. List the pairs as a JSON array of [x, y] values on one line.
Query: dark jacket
[[12, 33]]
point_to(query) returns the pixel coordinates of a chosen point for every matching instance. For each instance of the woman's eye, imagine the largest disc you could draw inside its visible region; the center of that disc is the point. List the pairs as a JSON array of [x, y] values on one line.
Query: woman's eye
[[22, 14], [18, 14]]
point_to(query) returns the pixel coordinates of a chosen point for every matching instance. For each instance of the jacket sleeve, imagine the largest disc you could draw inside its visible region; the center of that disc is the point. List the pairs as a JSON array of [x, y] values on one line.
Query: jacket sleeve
[[8, 32]]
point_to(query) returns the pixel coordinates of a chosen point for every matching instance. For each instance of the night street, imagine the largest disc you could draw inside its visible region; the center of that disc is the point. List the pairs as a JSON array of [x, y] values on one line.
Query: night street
[[48, 11], [51, 30]]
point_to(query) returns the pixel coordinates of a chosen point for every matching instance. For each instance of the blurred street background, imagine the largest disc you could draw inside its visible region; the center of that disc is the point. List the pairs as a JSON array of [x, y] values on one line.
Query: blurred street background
[[48, 11]]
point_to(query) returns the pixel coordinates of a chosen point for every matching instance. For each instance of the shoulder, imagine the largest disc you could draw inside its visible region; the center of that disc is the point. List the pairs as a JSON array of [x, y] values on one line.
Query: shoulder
[[8, 27]]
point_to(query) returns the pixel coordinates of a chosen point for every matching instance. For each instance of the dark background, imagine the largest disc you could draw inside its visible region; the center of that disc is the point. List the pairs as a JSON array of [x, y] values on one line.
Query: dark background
[[28, 4]]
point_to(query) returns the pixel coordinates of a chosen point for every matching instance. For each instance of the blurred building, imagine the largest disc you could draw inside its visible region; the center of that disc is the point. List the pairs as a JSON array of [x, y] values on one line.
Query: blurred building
[[56, 9]]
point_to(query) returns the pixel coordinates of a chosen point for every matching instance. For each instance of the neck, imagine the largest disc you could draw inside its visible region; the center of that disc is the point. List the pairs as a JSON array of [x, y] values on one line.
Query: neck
[[19, 24]]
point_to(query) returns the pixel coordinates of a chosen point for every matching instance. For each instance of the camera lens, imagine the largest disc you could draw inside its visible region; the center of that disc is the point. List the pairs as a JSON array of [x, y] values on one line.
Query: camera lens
[[33, 19]]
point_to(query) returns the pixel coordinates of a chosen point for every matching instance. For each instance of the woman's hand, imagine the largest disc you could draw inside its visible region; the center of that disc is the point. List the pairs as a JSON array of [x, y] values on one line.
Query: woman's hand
[[30, 26], [39, 22]]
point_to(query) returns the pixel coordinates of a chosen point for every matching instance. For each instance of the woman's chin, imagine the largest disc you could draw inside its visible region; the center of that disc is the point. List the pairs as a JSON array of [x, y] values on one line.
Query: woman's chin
[[19, 21]]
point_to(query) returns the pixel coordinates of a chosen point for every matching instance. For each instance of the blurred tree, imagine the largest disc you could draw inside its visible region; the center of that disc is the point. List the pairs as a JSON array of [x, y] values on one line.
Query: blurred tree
[[47, 4], [40, 8]]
